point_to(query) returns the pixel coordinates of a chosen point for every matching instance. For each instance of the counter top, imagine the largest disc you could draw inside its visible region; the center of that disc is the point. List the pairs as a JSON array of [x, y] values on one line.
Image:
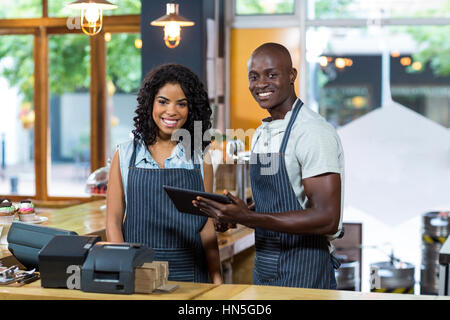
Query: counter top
[[34, 291], [86, 218], [203, 291], [253, 292]]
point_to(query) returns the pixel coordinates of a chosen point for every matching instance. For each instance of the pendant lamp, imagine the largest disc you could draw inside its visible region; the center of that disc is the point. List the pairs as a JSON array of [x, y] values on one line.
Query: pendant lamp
[[172, 23], [91, 14]]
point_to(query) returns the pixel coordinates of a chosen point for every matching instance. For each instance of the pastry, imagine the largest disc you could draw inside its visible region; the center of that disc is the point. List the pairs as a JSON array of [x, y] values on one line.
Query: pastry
[[26, 211], [7, 212]]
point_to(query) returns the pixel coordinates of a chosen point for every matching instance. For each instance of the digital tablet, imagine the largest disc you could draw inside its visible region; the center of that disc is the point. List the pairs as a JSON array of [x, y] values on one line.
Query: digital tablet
[[182, 199]]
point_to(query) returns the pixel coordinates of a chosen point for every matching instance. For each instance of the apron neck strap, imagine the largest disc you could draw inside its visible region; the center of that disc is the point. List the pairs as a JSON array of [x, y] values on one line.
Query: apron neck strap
[[295, 110], [133, 156], [196, 163]]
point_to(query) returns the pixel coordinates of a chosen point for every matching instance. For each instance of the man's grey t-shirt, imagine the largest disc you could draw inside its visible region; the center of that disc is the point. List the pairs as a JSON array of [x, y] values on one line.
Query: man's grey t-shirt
[[313, 148]]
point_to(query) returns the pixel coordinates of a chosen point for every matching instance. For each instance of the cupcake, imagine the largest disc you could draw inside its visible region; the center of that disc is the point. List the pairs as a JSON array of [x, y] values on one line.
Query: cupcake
[[7, 212], [26, 211]]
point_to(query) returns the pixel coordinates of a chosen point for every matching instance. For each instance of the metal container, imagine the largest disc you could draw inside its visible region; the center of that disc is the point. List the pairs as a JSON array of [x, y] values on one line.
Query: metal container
[[241, 159], [347, 276], [392, 277], [436, 228], [242, 176]]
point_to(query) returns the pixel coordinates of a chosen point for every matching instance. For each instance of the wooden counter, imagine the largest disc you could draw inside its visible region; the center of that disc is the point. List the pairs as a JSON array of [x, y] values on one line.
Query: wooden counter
[[253, 292], [201, 291], [34, 291], [86, 218]]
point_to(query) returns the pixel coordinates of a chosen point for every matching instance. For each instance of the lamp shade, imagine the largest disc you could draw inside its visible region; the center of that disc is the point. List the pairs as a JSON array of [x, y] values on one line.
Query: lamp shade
[[171, 17], [101, 4]]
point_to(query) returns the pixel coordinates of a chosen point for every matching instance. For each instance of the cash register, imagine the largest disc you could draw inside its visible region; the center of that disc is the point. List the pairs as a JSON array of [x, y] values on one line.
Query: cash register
[[110, 267]]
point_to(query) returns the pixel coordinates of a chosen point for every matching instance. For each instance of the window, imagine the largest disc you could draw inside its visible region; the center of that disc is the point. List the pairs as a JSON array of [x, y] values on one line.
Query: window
[[20, 9], [123, 78], [363, 9], [16, 116], [345, 70], [397, 45], [125, 7], [57, 8], [53, 111], [69, 114], [264, 7], [344, 73], [420, 73]]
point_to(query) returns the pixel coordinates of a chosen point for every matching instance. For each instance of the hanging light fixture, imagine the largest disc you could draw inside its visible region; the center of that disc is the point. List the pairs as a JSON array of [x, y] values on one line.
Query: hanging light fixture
[[172, 23], [323, 61], [339, 63], [91, 14], [405, 61]]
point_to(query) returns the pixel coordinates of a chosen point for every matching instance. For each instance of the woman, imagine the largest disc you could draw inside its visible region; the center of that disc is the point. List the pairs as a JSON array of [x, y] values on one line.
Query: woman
[[171, 98]]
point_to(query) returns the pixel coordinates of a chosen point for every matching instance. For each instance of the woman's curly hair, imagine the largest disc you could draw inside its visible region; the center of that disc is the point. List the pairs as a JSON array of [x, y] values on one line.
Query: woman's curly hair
[[199, 109]]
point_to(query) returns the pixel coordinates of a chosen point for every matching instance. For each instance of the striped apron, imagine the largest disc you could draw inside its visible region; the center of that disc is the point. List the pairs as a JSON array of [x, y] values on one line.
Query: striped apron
[[152, 220], [284, 259]]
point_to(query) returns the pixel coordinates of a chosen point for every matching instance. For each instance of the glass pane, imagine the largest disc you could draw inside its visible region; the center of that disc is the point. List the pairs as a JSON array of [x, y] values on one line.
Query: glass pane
[[20, 9], [344, 9], [57, 8], [123, 76], [345, 70], [344, 73], [420, 72], [125, 7], [17, 175], [259, 7], [69, 77]]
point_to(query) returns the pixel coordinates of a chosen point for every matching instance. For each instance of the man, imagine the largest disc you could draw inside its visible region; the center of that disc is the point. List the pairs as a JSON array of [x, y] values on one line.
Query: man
[[297, 173]]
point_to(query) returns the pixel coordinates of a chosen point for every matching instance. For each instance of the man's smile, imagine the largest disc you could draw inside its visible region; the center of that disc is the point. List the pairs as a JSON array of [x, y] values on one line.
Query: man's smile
[[264, 94]]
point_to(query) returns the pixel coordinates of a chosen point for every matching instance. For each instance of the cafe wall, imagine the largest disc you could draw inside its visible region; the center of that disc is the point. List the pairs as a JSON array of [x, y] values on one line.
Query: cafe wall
[[244, 111], [191, 51]]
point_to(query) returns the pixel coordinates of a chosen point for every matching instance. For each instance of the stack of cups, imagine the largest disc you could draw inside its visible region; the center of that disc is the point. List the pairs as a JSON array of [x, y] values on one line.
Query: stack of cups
[[435, 230]]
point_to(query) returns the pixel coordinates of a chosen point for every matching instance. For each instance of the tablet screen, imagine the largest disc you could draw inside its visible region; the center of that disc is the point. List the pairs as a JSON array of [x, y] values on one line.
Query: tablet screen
[[182, 199]]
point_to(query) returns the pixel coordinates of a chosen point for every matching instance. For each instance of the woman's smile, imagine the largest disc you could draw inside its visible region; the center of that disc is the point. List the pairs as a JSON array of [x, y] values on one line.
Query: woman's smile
[[170, 123]]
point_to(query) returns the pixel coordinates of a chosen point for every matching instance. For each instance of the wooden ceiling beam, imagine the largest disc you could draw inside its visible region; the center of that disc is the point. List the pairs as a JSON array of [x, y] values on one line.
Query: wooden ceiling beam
[[125, 20]]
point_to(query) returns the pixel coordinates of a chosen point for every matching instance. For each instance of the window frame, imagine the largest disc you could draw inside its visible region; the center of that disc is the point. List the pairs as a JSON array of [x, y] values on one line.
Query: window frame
[[266, 20], [41, 29]]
